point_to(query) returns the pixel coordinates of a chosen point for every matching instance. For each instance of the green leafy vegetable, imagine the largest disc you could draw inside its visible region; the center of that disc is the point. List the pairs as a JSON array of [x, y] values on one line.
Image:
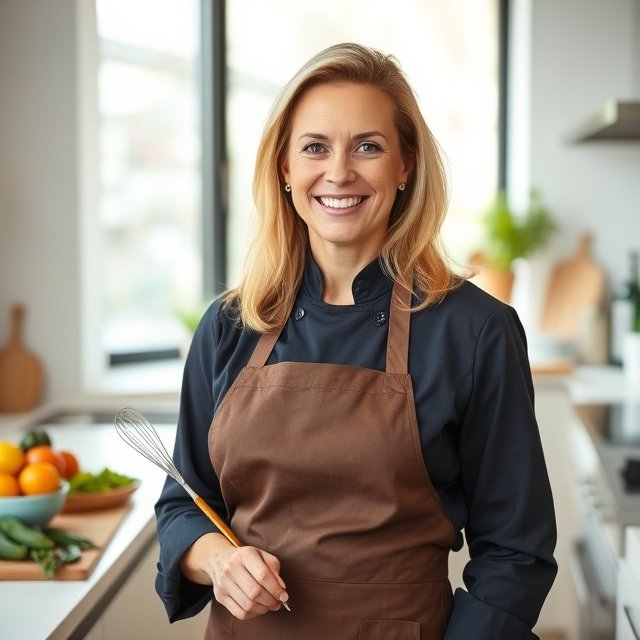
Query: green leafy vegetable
[[47, 560], [50, 560], [84, 481]]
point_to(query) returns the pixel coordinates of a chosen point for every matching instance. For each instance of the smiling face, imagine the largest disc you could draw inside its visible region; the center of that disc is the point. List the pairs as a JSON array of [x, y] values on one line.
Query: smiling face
[[344, 164]]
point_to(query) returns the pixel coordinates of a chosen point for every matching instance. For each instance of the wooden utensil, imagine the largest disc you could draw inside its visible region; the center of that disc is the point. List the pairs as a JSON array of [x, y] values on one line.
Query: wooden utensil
[[21, 374], [576, 285]]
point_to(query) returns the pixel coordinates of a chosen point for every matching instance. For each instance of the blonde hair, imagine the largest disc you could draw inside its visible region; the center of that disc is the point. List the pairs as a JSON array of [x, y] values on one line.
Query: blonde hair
[[411, 248]]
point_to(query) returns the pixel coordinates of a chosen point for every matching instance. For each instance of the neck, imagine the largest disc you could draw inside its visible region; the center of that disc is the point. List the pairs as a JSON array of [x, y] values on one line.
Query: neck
[[339, 269]]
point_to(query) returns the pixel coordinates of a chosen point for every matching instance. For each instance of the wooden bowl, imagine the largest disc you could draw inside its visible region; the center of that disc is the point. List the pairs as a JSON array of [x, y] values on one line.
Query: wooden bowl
[[94, 500]]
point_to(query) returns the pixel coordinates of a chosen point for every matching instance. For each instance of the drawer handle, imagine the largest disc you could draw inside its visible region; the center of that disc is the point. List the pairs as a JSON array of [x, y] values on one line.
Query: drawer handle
[[632, 626]]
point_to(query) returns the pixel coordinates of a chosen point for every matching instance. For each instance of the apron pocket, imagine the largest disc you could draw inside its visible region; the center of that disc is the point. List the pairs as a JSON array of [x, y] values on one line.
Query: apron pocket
[[389, 630]]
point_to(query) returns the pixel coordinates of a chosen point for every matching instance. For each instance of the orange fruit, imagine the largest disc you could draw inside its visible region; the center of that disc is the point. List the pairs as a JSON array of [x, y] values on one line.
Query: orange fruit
[[71, 464], [11, 458], [8, 485], [39, 477], [44, 453]]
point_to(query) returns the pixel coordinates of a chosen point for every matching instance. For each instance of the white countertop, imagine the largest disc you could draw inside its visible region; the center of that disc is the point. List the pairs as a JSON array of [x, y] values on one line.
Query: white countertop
[[63, 605], [592, 385]]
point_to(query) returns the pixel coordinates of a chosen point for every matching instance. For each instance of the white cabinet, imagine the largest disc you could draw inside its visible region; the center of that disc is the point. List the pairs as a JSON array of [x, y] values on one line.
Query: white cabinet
[[628, 606], [557, 422], [137, 612]]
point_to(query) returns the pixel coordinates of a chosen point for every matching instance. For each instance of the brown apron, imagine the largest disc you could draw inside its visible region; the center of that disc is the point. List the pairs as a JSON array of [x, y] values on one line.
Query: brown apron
[[321, 465]]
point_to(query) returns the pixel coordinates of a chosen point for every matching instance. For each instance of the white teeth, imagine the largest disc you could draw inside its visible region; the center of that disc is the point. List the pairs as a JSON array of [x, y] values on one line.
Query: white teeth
[[340, 203]]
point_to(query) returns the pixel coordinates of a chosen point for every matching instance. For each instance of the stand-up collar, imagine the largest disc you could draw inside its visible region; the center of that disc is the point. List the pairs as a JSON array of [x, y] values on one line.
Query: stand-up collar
[[369, 284]]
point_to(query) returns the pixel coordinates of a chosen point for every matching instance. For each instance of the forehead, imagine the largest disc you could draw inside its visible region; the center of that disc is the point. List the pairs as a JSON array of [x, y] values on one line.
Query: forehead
[[343, 104]]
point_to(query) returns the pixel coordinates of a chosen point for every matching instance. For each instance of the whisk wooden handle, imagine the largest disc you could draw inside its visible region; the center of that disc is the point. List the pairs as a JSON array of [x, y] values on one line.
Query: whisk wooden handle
[[218, 521]]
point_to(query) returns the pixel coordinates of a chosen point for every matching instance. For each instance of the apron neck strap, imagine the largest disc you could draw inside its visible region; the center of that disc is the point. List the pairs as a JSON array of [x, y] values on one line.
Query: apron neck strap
[[399, 323], [264, 348], [397, 342]]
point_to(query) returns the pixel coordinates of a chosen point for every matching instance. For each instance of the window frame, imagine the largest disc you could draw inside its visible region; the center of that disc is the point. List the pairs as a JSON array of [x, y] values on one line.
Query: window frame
[[214, 146], [215, 207], [503, 75], [102, 372]]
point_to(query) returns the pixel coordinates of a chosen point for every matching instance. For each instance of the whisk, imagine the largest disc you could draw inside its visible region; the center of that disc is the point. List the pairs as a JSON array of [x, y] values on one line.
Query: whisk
[[141, 435]]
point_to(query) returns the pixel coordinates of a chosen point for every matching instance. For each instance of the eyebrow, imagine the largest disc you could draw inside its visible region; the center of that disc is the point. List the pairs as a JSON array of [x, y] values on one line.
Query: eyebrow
[[359, 136]]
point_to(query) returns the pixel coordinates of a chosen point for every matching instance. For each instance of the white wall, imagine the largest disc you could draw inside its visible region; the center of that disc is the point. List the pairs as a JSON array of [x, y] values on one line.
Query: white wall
[[581, 52], [39, 257], [570, 57], [584, 55]]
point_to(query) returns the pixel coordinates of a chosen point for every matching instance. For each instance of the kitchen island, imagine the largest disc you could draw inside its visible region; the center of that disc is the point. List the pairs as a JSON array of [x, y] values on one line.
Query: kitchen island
[[64, 610]]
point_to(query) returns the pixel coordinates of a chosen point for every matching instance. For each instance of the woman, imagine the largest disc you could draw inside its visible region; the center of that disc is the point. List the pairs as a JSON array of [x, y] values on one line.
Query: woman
[[360, 404]]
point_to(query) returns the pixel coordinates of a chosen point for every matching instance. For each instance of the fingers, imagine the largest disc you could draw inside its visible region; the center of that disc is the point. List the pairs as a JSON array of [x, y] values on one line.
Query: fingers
[[274, 564], [248, 583]]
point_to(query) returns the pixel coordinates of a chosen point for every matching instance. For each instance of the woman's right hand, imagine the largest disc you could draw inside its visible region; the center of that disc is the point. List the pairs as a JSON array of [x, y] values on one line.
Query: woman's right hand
[[245, 580]]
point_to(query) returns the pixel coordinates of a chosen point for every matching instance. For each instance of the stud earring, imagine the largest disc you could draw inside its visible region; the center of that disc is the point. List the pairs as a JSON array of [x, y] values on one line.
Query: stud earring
[[402, 186], [287, 188]]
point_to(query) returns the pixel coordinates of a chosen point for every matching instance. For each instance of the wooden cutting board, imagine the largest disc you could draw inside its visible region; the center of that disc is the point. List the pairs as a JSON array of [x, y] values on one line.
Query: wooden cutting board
[[20, 371], [98, 526], [576, 286]]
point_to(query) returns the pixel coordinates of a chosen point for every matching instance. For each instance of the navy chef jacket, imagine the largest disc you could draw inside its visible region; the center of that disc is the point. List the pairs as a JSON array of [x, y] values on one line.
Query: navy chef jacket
[[480, 441]]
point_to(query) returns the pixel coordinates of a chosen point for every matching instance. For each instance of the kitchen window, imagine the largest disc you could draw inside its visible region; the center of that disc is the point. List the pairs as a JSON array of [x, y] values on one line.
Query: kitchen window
[[150, 175], [173, 108], [147, 239], [450, 52]]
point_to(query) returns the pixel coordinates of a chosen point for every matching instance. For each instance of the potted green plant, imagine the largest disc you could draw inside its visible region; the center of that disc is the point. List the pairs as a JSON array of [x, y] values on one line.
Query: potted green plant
[[190, 318], [507, 237]]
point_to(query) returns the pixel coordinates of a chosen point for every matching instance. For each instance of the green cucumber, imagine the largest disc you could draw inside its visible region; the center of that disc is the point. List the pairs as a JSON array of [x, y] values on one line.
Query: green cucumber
[[66, 539], [22, 534], [9, 550]]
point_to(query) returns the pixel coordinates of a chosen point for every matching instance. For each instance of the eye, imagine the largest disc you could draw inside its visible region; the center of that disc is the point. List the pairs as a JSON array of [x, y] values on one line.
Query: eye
[[369, 147], [314, 148]]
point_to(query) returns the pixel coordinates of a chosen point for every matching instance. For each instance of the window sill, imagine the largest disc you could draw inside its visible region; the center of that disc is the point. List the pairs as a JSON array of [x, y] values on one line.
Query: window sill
[[148, 379]]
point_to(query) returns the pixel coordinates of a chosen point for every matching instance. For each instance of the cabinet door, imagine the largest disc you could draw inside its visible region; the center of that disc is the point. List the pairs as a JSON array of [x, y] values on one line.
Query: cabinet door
[[626, 628], [137, 611], [556, 420], [628, 610]]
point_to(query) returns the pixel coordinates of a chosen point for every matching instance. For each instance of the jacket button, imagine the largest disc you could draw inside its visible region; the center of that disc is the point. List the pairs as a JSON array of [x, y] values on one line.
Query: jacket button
[[380, 318], [298, 313]]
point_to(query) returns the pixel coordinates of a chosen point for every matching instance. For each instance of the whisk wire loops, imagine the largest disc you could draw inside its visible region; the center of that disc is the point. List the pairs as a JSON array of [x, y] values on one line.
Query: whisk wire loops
[[140, 434]]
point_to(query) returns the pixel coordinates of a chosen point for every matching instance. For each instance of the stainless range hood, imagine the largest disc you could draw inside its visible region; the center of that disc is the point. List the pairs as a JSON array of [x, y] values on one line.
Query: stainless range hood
[[617, 120]]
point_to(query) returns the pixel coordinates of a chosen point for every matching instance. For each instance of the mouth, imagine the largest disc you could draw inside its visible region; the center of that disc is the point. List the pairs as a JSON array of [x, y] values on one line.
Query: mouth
[[345, 202]]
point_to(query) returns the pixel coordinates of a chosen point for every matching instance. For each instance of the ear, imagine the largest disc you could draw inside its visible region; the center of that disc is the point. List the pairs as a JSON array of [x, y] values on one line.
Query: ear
[[284, 168], [409, 165]]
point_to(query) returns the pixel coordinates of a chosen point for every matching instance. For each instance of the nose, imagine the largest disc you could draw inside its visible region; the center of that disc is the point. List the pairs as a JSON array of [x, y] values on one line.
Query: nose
[[339, 169]]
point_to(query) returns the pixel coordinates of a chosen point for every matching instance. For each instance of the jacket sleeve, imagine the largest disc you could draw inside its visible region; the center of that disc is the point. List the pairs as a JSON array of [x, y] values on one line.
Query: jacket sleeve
[[179, 521], [510, 529]]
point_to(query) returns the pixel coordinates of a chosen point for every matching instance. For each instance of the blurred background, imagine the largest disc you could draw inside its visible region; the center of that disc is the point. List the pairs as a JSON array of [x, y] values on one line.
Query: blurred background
[[128, 131]]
